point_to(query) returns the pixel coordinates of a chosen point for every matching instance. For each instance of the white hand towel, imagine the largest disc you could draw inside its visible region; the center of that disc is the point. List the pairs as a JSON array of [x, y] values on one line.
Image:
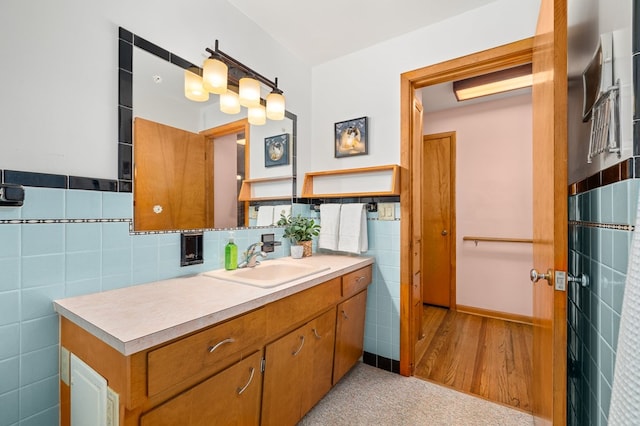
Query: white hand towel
[[329, 226], [284, 209], [265, 216], [353, 229]]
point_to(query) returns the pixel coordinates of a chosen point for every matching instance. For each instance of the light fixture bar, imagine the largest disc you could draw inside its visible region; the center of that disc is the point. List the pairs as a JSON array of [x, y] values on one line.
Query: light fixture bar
[[492, 83], [237, 64]]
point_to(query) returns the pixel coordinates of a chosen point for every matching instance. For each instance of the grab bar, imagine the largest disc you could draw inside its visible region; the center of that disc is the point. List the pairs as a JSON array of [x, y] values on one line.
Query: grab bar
[[497, 240]]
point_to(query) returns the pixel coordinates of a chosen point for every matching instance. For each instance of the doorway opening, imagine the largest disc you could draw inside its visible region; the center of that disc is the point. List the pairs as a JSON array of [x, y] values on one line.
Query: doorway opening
[[502, 57]]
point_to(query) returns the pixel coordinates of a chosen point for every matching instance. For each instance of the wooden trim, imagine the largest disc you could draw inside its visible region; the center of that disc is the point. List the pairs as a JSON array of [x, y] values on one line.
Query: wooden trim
[[497, 239], [247, 184], [506, 56], [507, 316], [394, 188]]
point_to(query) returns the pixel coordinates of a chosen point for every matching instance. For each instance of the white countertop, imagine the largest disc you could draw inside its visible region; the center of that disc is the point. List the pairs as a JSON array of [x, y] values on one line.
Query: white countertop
[[136, 318]]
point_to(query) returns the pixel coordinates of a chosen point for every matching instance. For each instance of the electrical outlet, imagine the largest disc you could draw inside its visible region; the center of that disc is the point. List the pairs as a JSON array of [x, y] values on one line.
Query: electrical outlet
[[386, 211], [64, 365]]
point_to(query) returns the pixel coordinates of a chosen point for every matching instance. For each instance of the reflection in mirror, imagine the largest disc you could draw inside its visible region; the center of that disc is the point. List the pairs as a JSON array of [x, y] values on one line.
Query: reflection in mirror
[[158, 97]]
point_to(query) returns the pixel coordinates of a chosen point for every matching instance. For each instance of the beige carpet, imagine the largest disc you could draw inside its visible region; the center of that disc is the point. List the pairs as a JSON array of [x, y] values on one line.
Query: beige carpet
[[370, 396]]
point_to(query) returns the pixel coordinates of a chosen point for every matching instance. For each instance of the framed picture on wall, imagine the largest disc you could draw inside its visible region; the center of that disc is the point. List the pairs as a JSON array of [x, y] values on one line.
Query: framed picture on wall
[[351, 137], [276, 150]]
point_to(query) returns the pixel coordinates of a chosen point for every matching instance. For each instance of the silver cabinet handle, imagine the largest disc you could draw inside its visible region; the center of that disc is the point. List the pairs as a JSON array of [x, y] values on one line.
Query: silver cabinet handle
[[444, 233], [315, 333], [360, 278], [217, 345], [297, 351], [535, 276], [242, 389]]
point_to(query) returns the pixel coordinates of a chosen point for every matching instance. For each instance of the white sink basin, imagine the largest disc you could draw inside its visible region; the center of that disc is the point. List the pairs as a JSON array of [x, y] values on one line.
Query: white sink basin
[[270, 273]]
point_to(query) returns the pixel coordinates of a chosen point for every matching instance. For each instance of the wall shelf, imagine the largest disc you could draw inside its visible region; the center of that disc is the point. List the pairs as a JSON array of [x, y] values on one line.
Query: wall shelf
[[262, 189], [376, 181]]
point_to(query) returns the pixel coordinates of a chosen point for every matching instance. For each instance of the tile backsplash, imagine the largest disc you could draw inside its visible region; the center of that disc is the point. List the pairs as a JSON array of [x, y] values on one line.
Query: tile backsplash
[[65, 243]]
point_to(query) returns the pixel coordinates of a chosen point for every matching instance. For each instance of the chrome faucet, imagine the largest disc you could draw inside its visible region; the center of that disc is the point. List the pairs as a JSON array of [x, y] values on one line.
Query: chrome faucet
[[250, 256]]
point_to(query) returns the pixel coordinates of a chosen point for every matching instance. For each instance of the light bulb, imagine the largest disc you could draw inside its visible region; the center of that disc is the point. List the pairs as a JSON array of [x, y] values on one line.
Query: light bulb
[[275, 106], [193, 89], [257, 115], [249, 92], [214, 76], [229, 102]]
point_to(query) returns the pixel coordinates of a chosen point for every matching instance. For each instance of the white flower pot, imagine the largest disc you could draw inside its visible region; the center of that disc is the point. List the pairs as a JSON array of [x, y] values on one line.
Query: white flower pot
[[296, 251]]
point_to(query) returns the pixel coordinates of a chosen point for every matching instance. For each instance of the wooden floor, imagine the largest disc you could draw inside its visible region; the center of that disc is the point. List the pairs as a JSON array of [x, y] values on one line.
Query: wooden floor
[[487, 357]]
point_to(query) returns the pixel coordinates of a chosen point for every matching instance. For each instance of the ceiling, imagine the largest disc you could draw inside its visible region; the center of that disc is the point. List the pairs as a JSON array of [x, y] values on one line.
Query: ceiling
[[322, 30]]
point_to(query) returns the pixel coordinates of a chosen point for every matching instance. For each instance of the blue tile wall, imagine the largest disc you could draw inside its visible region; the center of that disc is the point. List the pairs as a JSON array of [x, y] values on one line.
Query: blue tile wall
[[41, 262], [599, 242], [382, 320]]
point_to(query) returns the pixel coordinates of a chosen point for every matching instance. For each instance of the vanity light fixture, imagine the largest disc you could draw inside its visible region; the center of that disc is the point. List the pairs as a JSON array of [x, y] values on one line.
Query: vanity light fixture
[[492, 83], [237, 85], [193, 88], [214, 75], [249, 92], [275, 104], [257, 115], [229, 102]]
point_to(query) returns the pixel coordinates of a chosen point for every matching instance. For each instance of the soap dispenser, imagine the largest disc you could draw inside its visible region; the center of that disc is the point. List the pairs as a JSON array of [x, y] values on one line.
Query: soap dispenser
[[230, 254]]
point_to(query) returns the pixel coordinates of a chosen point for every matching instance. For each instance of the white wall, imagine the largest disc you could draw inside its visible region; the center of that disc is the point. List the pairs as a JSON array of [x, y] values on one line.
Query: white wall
[[493, 199], [367, 83], [59, 96], [586, 20]]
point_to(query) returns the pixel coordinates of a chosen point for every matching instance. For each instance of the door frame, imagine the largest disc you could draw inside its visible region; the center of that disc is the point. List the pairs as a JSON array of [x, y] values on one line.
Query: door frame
[[506, 56], [452, 210]]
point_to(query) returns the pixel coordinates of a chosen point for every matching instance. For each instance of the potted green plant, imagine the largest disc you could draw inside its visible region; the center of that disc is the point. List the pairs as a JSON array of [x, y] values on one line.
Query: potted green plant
[[300, 231]]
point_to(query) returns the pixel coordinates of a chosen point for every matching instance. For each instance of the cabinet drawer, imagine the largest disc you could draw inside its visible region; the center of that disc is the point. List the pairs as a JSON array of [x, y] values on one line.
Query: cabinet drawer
[[207, 350], [356, 281], [290, 311], [230, 397]]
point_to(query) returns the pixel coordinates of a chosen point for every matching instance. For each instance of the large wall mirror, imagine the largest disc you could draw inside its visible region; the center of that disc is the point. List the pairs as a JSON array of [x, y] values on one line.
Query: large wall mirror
[[190, 158]]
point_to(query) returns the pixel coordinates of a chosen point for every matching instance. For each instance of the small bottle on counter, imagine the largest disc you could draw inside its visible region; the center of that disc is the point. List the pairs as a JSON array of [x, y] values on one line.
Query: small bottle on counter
[[230, 254]]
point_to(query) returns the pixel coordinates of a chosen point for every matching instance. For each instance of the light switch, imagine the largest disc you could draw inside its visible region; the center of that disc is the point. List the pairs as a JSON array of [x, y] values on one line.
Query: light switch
[[386, 211]]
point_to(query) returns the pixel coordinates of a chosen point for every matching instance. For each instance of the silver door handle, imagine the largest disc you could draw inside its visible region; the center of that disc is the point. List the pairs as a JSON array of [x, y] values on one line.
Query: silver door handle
[[582, 279], [535, 276]]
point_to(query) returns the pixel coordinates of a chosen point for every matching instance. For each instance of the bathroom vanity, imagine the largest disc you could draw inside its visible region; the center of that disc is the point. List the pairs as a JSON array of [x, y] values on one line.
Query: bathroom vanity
[[203, 350]]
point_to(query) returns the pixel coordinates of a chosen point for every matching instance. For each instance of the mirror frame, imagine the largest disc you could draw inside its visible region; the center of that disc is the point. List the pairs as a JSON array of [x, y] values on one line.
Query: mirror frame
[[126, 41]]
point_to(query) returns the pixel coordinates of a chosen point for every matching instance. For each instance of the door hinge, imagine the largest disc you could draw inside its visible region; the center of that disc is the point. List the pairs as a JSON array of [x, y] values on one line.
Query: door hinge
[[263, 364], [560, 280]]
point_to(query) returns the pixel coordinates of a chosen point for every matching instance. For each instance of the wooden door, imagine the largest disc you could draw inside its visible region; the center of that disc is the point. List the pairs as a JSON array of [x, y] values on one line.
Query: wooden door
[[437, 188], [170, 178], [416, 237], [549, 97], [349, 334]]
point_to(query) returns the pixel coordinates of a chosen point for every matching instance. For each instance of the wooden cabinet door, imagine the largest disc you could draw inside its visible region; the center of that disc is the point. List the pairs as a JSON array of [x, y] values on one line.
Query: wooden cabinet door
[[231, 397], [349, 334], [298, 371], [283, 378], [318, 369]]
